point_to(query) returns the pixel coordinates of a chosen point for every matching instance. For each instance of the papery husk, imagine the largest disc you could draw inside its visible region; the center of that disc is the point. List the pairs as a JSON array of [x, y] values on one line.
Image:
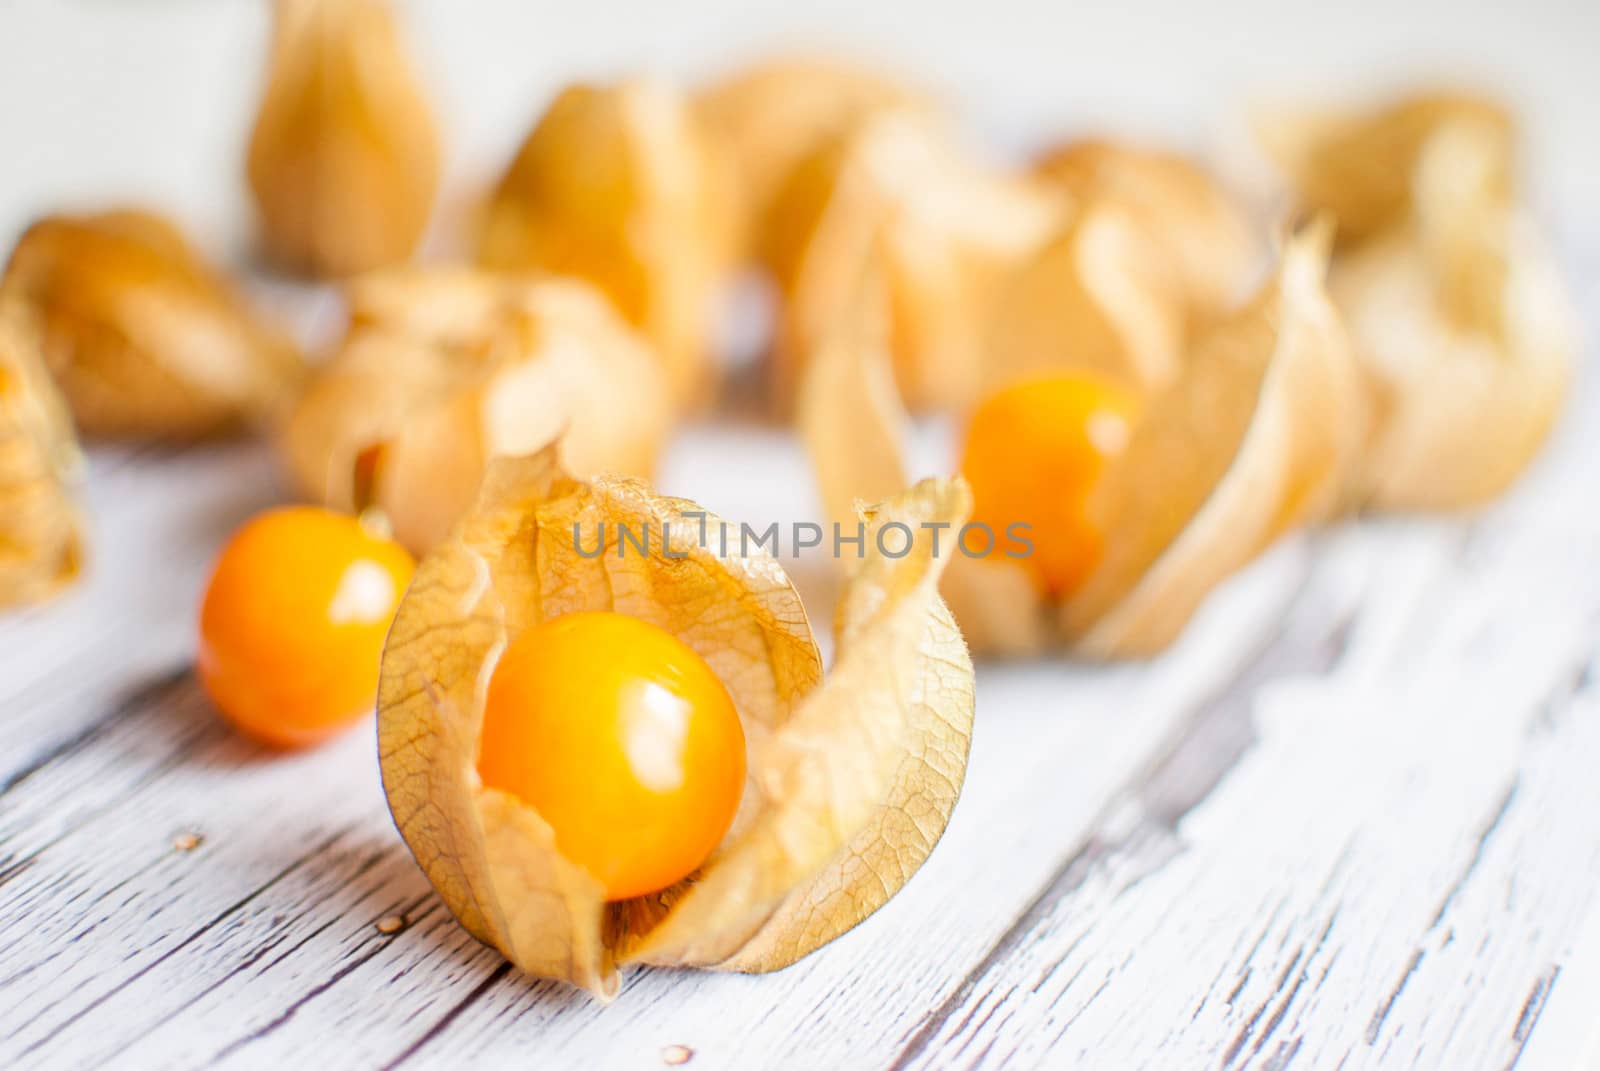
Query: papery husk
[[1256, 438], [776, 114], [344, 159], [894, 197], [852, 778], [855, 429], [1460, 320], [443, 369], [623, 186], [41, 530], [849, 412], [1360, 166], [1101, 297], [1195, 226], [143, 337]]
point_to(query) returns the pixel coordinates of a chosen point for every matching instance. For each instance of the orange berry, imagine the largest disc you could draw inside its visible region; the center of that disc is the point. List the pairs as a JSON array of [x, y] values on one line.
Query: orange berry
[[293, 623], [623, 739], [1034, 452]]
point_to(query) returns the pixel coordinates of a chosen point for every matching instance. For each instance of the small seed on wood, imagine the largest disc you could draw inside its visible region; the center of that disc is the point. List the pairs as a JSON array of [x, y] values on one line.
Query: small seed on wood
[[675, 1055], [187, 842], [391, 924]]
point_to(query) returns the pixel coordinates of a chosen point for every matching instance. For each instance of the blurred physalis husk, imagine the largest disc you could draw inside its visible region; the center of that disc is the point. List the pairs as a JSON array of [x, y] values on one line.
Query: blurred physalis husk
[[1361, 166], [1153, 251], [1461, 323], [1099, 296], [1254, 437], [442, 369], [1196, 228], [41, 531], [344, 160], [852, 776], [143, 337], [896, 204], [623, 186], [774, 115]]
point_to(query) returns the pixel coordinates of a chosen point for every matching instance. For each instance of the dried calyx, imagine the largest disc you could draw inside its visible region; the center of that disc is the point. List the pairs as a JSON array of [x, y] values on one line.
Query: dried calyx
[[623, 186], [443, 369], [1203, 231], [1462, 327], [852, 776], [344, 158], [1254, 436], [144, 338], [893, 212], [1153, 251], [773, 116]]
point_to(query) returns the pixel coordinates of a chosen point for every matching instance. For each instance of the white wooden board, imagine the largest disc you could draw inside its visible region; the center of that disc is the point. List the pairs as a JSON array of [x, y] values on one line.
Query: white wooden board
[[1353, 819]]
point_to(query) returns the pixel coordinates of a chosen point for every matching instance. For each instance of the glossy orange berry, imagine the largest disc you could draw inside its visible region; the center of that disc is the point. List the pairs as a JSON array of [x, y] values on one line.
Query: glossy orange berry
[[623, 739], [293, 622], [1033, 455]]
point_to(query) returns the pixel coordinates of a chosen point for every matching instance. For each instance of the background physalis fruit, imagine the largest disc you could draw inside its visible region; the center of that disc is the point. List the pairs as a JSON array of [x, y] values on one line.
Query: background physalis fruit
[[1463, 329], [143, 337], [623, 186], [623, 739], [850, 780], [1202, 233], [443, 369], [344, 158], [896, 212], [293, 620], [774, 114], [1100, 296], [1257, 435]]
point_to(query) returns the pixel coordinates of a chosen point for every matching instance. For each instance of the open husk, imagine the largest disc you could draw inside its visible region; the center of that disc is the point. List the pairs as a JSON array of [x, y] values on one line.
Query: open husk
[[41, 531], [852, 777], [623, 186], [896, 200], [1460, 320], [144, 338], [1254, 439], [344, 158], [1201, 230], [774, 115], [1255, 436], [1101, 296], [443, 369], [1154, 251]]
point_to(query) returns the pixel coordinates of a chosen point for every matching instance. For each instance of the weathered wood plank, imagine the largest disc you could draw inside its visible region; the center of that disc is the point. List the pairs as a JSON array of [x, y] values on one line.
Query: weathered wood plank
[[1352, 815], [259, 945]]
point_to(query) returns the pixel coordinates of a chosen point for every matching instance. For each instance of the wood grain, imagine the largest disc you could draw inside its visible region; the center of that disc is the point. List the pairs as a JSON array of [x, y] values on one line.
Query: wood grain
[[1352, 819]]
